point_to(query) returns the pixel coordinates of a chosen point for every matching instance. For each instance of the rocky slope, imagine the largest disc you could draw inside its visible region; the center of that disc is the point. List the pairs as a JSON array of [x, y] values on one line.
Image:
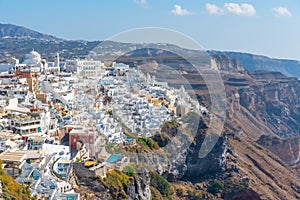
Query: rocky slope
[[116, 184], [269, 176], [287, 149], [227, 64], [276, 103], [253, 62], [13, 31]]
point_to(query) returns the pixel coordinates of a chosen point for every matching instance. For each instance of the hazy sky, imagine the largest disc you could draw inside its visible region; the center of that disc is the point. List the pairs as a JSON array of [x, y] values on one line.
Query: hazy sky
[[268, 27]]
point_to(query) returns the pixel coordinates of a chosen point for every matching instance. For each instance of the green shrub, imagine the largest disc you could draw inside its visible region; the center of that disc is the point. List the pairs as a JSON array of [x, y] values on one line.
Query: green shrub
[[117, 182], [155, 194], [194, 195], [161, 184], [129, 170], [171, 124], [215, 187], [148, 142]]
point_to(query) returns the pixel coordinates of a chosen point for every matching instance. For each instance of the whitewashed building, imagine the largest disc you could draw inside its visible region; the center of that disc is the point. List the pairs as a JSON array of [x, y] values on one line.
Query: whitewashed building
[[86, 68]]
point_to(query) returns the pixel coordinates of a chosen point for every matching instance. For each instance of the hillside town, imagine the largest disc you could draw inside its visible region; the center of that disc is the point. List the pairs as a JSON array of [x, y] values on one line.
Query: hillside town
[[55, 114]]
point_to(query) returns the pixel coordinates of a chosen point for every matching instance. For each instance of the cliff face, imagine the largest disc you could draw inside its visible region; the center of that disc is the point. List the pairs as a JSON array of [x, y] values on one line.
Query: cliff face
[[268, 175], [116, 185], [247, 168], [140, 188], [267, 110], [225, 63], [257, 62], [214, 162], [287, 149], [275, 102], [263, 116], [262, 126]]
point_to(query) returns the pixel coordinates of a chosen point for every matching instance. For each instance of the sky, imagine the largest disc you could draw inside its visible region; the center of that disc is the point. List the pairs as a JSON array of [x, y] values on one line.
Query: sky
[[266, 27]]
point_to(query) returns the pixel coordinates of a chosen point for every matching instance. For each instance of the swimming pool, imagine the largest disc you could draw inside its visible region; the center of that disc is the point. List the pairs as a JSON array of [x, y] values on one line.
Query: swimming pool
[[128, 139], [114, 158]]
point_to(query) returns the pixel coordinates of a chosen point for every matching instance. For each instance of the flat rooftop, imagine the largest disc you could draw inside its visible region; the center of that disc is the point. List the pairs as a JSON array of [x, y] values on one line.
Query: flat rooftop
[[13, 156], [5, 133]]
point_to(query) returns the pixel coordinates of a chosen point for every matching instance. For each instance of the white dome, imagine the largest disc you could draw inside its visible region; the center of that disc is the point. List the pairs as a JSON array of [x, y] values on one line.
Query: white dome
[[33, 58]]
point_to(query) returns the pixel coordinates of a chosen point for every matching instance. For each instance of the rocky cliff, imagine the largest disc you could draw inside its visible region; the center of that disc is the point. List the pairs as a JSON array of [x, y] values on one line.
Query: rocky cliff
[[253, 62], [227, 64], [116, 184], [288, 149]]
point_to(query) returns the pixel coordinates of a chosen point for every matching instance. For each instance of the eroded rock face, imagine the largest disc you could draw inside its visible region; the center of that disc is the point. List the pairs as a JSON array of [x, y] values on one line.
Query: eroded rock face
[[189, 166], [276, 103], [140, 190], [178, 159], [214, 162], [287, 150], [268, 111], [225, 63]]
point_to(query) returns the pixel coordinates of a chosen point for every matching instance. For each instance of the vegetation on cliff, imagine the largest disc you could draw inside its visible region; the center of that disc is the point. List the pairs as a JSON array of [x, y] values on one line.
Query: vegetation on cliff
[[161, 184], [117, 182], [11, 189]]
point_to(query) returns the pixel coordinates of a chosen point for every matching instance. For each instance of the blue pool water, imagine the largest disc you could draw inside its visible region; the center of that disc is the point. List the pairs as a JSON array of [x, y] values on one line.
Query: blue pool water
[[114, 158], [128, 139]]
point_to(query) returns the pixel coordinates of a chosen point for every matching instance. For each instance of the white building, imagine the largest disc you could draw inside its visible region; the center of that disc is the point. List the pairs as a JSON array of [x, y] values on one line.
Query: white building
[[86, 68], [34, 63]]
